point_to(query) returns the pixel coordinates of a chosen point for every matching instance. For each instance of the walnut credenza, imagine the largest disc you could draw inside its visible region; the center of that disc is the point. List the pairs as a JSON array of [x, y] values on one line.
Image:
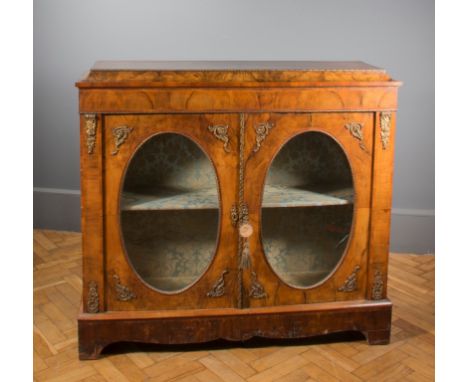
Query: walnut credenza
[[228, 200]]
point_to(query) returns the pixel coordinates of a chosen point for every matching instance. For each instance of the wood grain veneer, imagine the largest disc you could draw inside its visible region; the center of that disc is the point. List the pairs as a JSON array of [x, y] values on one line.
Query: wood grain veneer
[[125, 104]]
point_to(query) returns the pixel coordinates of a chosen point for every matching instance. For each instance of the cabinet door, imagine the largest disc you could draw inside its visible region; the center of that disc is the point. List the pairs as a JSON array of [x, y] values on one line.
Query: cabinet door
[[169, 185], [308, 184]]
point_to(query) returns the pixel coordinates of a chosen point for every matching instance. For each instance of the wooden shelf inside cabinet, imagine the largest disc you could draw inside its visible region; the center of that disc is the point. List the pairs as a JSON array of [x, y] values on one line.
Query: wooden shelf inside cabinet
[[274, 197], [170, 199], [306, 196]]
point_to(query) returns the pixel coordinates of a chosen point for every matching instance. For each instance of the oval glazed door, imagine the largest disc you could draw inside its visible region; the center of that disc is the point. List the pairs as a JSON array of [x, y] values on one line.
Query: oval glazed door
[[307, 209], [312, 214], [169, 212], [165, 207]]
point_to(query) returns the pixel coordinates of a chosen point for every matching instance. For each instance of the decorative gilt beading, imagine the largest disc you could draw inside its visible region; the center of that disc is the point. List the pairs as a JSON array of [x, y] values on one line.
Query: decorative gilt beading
[[218, 288], [243, 213], [240, 218], [240, 240], [120, 134], [377, 287], [256, 289], [239, 215], [234, 215], [123, 293], [261, 130], [350, 284], [385, 120], [221, 133], [355, 130], [92, 304], [90, 127]]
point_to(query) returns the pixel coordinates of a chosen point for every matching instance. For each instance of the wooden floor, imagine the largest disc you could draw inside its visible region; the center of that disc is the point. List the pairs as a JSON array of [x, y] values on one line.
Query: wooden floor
[[57, 285]]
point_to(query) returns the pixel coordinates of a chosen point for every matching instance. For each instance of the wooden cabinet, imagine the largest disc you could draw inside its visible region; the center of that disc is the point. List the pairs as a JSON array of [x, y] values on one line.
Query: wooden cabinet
[[234, 199]]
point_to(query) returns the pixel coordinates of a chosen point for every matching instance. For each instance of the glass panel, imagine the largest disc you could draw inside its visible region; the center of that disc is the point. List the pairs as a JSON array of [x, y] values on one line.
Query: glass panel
[[169, 212], [307, 209]]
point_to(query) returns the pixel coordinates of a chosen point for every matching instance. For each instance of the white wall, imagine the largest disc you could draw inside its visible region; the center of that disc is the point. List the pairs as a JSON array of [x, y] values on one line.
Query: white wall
[[397, 35]]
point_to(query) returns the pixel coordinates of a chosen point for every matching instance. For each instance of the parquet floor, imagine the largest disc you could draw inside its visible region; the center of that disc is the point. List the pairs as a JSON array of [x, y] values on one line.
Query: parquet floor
[[57, 285]]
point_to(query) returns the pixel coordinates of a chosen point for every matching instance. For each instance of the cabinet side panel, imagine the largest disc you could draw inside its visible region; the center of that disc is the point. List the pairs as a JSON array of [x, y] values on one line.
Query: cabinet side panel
[[92, 212], [381, 205]]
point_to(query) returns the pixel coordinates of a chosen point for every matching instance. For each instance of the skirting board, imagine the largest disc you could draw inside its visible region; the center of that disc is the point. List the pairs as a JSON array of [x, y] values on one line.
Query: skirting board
[[412, 230], [57, 209]]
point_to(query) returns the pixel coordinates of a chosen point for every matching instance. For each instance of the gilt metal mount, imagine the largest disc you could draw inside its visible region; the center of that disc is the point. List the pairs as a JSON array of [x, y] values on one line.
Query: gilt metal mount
[[385, 122], [355, 129], [123, 293], [218, 288], [256, 289], [261, 131], [377, 287], [221, 133], [350, 284], [92, 303], [120, 134], [90, 130]]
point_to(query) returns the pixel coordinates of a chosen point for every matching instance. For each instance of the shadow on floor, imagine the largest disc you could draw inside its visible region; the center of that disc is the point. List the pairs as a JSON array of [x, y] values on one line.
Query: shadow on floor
[[256, 342]]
